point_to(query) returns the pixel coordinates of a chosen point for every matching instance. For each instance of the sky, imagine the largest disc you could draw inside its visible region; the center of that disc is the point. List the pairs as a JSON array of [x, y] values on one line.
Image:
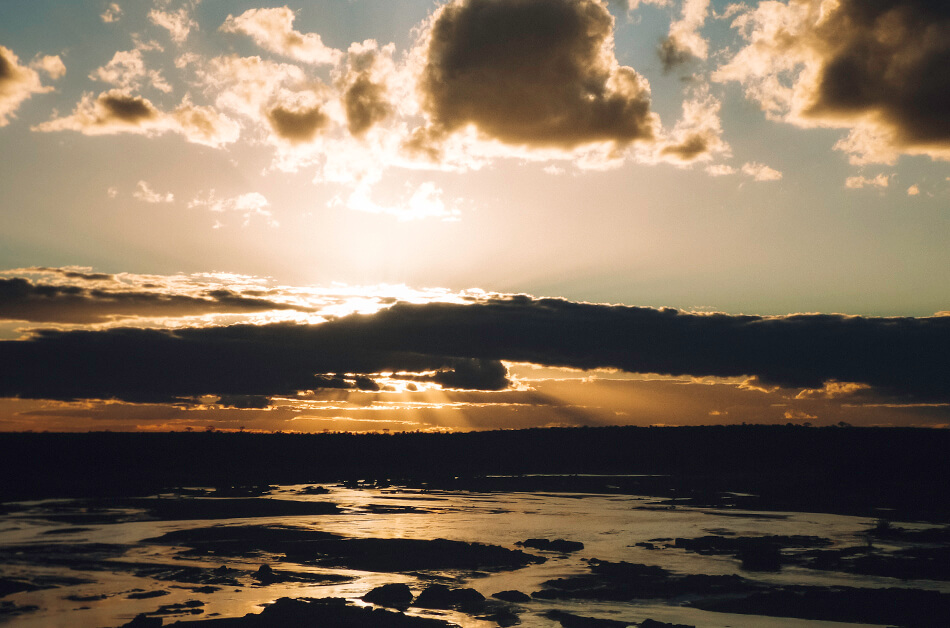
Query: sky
[[473, 214]]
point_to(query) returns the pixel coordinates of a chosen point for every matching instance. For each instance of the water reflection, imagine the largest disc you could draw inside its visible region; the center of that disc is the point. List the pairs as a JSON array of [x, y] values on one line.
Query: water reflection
[[99, 566]]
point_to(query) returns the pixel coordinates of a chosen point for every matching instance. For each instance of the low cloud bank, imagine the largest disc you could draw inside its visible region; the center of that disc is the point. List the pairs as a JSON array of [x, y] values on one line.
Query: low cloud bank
[[464, 344]]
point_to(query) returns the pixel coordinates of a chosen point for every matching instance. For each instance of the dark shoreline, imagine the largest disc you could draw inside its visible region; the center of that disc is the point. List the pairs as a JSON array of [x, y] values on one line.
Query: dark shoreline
[[897, 473]]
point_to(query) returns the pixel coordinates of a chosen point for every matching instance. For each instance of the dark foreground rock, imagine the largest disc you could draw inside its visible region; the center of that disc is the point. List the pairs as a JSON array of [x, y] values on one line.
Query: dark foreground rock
[[309, 546], [512, 596], [396, 595], [309, 613], [557, 545], [630, 581], [905, 607], [442, 597], [570, 620]]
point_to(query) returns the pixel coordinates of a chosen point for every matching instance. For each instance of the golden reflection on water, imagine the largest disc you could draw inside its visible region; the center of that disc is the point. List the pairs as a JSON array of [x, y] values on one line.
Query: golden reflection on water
[[608, 525]]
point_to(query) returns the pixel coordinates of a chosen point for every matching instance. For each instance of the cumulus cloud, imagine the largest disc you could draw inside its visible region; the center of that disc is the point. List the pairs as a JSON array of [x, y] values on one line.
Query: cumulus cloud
[[112, 13], [878, 69], [179, 24], [720, 170], [761, 172], [856, 182], [118, 111], [698, 134], [425, 201], [246, 85], [248, 205], [272, 29], [913, 190], [366, 98], [684, 40], [903, 357], [146, 194], [127, 70], [17, 84], [534, 73], [52, 65]]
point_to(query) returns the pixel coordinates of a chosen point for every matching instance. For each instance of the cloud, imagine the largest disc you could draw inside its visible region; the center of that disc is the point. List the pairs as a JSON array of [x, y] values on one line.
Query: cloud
[[17, 84], [698, 134], [364, 86], [146, 194], [178, 23], [878, 69], [127, 70], [112, 13], [118, 111], [913, 190], [249, 205], [74, 303], [761, 172], [904, 357], [272, 29], [720, 170], [533, 73], [684, 40], [425, 201], [51, 64], [880, 181]]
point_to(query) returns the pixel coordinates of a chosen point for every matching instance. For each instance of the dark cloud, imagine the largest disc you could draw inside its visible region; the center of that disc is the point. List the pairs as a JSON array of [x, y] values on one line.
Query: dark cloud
[[539, 73], [21, 299], [903, 357], [889, 58], [366, 104], [17, 84], [297, 125], [689, 149], [125, 108], [72, 274], [880, 68], [671, 54]]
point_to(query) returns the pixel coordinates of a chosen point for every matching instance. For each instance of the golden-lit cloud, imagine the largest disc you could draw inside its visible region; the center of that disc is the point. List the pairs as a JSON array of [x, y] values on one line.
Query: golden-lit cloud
[[877, 69], [247, 205], [697, 136], [364, 86], [533, 73], [146, 194], [298, 121], [112, 13], [179, 24], [127, 70], [761, 172], [52, 65], [118, 111], [860, 181], [17, 84], [684, 40], [272, 29]]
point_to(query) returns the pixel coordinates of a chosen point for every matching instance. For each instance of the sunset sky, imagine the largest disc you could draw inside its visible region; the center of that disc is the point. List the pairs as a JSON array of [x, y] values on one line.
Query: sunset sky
[[474, 214]]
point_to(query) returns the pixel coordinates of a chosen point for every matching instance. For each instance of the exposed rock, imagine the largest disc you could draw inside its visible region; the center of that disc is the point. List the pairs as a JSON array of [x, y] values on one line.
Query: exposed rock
[[630, 581], [442, 597], [9, 609], [395, 595], [905, 607], [502, 616], [570, 620], [309, 613], [145, 595], [557, 545], [512, 596]]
